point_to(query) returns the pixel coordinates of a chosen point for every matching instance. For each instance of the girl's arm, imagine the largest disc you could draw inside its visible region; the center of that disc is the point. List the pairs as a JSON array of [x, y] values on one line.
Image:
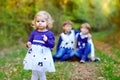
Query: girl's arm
[[30, 40], [50, 40], [76, 31], [59, 43], [92, 49]]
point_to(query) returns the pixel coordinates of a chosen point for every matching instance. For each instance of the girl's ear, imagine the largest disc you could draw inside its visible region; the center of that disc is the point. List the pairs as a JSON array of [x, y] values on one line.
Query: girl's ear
[[47, 27], [63, 27]]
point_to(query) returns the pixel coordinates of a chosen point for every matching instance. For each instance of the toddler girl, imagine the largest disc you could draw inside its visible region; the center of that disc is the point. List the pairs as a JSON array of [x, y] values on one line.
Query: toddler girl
[[41, 40]]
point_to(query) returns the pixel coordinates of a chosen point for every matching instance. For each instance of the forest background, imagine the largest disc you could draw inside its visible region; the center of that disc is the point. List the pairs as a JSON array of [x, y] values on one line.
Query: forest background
[[16, 18], [16, 24]]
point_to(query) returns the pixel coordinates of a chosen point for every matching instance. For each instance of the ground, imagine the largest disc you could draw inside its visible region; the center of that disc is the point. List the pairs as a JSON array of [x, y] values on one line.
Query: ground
[[89, 71]]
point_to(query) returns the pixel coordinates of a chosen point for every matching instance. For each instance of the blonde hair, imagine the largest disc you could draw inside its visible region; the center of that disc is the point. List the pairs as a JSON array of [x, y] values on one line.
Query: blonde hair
[[86, 25], [46, 16]]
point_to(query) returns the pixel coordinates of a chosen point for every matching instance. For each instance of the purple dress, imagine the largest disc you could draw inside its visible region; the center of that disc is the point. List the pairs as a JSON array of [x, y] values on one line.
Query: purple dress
[[39, 55]]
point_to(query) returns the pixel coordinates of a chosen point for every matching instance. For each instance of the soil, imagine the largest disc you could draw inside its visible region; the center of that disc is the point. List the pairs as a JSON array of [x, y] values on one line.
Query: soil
[[89, 70], [84, 71]]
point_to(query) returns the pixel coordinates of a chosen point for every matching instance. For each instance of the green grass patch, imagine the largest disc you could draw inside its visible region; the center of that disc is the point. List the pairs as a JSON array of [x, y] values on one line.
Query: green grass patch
[[109, 68], [11, 67], [100, 36]]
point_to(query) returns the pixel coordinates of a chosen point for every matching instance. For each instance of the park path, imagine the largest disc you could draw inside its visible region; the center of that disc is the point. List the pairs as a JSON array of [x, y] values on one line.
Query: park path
[[106, 49], [89, 70]]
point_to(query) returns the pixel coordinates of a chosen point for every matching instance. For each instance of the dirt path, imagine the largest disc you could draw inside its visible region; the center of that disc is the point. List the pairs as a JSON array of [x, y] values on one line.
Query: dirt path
[[106, 49], [89, 70]]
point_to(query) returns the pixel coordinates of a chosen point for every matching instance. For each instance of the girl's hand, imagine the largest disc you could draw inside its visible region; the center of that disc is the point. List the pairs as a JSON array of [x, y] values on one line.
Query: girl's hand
[[89, 36], [28, 44], [45, 38]]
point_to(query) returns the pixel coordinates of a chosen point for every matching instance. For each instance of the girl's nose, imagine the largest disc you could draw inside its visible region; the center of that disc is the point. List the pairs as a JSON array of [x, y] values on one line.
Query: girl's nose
[[39, 22]]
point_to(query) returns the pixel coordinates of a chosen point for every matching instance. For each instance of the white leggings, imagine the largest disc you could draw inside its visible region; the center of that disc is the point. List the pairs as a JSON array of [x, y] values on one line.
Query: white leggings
[[37, 74]]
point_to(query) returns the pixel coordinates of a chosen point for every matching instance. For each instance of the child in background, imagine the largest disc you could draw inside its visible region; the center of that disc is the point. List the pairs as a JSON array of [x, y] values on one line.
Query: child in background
[[66, 42], [39, 57], [85, 45]]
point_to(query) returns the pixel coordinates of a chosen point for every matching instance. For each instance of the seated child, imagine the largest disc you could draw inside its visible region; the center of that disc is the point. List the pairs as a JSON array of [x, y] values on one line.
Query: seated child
[[85, 45], [66, 42]]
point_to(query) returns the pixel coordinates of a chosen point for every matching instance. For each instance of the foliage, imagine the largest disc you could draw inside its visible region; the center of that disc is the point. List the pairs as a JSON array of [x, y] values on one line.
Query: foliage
[[16, 16], [115, 19]]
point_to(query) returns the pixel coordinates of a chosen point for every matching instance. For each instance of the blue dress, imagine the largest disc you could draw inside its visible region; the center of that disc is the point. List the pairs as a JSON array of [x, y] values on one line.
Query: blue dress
[[39, 55]]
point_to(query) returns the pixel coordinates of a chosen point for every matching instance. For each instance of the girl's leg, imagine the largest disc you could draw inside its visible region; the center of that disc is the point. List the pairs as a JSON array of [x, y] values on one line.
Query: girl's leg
[[42, 75], [78, 53], [87, 50], [68, 55], [59, 54], [34, 75]]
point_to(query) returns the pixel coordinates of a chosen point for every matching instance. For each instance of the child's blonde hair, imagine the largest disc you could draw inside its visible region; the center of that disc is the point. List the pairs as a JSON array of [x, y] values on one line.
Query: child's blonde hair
[[86, 25], [46, 16]]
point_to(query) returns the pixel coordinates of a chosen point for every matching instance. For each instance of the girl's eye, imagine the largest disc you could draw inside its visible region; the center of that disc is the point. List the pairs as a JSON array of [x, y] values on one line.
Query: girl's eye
[[38, 21], [42, 21]]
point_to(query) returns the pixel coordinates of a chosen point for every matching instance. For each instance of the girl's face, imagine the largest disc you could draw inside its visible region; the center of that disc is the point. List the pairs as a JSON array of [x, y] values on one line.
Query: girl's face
[[41, 23], [67, 28], [84, 30]]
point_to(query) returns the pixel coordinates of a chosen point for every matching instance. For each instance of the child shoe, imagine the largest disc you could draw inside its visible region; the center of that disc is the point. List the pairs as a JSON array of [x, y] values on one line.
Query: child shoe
[[97, 59], [82, 61]]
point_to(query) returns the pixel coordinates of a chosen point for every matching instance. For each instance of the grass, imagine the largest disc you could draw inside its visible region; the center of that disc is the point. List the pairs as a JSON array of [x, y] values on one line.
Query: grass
[[100, 36], [11, 67], [109, 67], [110, 64]]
